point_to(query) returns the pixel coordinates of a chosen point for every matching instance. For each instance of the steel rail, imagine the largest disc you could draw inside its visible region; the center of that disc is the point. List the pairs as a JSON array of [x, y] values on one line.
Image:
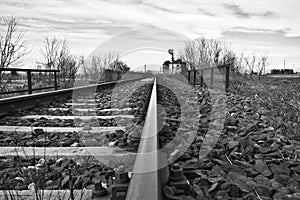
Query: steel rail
[[34, 89], [150, 165], [31, 70]]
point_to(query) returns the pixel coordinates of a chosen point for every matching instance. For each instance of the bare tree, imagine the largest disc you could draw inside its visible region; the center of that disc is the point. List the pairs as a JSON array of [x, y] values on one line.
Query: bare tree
[[68, 69], [239, 64], [12, 45], [56, 55], [261, 65], [51, 52], [68, 65], [256, 64], [189, 54], [250, 63], [94, 67], [264, 62], [204, 53]]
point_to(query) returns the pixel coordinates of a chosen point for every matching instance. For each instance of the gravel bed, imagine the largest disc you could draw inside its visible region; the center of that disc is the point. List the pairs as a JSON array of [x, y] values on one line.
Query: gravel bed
[[18, 173], [252, 158]]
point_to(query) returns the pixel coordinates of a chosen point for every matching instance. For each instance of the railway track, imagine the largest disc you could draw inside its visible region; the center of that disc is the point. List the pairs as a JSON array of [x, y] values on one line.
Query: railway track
[[122, 138], [68, 127]]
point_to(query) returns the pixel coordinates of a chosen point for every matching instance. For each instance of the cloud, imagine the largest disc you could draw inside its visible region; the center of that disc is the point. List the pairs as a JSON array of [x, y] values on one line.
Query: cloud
[[275, 38], [84, 25], [205, 12], [268, 14], [240, 13], [149, 37], [17, 3], [236, 10], [161, 8], [282, 31], [143, 3]]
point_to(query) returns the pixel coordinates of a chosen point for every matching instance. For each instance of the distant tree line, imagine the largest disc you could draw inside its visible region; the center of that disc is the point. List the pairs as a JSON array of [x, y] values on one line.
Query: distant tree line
[[203, 52]]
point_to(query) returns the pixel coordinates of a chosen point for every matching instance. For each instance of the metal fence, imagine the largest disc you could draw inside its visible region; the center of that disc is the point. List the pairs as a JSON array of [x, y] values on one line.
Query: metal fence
[[210, 76], [29, 79]]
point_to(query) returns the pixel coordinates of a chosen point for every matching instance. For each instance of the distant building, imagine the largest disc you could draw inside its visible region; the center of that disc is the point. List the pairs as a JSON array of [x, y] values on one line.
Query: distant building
[[177, 67], [282, 71], [166, 67], [119, 66]]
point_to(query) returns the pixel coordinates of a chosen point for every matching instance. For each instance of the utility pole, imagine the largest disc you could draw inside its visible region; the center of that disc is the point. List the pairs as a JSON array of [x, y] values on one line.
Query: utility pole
[[145, 68], [284, 64], [172, 63], [171, 52]]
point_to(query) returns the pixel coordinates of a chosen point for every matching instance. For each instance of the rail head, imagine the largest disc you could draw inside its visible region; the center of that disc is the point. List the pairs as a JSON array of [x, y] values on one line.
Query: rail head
[[146, 182]]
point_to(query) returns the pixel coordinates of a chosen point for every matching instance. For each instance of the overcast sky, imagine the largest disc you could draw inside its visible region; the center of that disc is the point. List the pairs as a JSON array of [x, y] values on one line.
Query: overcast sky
[[269, 27]]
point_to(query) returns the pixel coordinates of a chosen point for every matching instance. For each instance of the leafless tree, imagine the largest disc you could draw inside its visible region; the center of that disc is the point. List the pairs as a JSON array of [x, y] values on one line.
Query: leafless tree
[[68, 65], [94, 67], [264, 61], [56, 55], [51, 52], [250, 63], [239, 64], [261, 65], [256, 64], [12, 45], [205, 53]]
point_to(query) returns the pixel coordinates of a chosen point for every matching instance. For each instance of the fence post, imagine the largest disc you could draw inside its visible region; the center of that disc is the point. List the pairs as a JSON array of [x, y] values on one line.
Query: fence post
[[189, 77], [212, 77], [55, 80], [29, 82], [195, 78], [227, 78], [119, 75], [201, 78]]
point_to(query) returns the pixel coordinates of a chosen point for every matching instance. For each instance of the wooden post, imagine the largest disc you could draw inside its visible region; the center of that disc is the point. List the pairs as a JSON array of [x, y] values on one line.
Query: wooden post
[[227, 78], [29, 82], [195, 77], [119, 75], [201, 78], [55, 80], [212, 77], [189, 77]]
